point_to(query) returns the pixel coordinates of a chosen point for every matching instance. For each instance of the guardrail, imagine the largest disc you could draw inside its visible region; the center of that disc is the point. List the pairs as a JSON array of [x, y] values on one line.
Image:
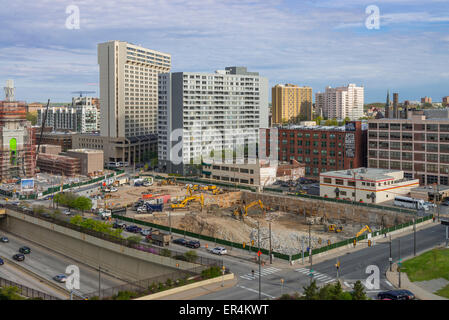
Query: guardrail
[[26, 291]]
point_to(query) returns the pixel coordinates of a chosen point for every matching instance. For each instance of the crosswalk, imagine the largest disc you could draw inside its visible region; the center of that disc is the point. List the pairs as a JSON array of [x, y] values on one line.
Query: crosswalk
[[316, 275], [263, 272]]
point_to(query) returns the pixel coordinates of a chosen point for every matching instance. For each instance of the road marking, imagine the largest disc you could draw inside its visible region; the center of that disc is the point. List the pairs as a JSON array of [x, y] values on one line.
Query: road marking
[[346, 284], [388, 282], [330, 280], [264, 272], [255, 291]]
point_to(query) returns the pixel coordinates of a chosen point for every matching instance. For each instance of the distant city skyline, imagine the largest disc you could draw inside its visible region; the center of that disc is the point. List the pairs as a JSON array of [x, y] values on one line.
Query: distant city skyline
[[308, 43]]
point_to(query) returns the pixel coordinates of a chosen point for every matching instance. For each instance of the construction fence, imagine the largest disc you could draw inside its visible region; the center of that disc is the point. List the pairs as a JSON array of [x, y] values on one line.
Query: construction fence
[[265, 251]]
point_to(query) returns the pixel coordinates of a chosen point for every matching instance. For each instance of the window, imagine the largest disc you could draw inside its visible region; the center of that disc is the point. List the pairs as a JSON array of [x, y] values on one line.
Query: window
[[372, 125], [351, 183], [339, 182]]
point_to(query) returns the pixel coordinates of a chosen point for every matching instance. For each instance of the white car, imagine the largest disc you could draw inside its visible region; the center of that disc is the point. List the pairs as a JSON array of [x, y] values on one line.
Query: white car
[[145, 232], [67, 212], [114, 189], [219, 250]]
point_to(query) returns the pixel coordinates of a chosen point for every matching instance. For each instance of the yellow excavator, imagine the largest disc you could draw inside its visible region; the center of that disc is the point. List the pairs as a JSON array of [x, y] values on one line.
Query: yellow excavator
[[186, 201], [169, 181], [243, 211], [365, 228], [335, 228]]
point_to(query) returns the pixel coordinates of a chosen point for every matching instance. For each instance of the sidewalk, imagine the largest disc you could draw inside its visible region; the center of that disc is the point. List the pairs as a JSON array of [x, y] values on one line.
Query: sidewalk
[[199, 291]]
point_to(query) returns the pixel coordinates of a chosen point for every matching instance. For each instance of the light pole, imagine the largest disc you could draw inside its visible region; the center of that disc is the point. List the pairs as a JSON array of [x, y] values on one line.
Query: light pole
[[258, 240], [99, 282], [414, 237], [390, 258], [399, 263], [282, 286]]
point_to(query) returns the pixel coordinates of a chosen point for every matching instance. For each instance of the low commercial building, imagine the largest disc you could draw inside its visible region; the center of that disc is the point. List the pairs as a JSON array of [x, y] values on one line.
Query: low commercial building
[[58, 164], [365, 184], [63, 139], [50, 149], [91, 161], [427, 193], [259, 174]]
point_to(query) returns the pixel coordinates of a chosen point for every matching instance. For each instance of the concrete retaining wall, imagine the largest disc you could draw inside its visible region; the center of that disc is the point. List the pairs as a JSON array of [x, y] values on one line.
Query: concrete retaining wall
[[123, 262], [331, 210]]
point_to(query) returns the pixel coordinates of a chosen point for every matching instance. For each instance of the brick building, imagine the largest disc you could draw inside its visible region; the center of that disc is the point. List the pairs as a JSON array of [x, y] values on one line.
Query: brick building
[[320, 148]]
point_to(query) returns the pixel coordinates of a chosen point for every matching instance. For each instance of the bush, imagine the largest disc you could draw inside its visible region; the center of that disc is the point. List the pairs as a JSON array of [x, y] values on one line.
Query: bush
[[211, 272], [191, 256], [134, 239], [125, 295], [10, 293], [165, 253], [169, 283]]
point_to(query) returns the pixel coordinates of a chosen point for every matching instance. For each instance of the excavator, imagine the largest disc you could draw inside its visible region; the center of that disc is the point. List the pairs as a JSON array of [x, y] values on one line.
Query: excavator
[[365, 228], [243, 211], [168, 181], [186, 201], [335, 228]]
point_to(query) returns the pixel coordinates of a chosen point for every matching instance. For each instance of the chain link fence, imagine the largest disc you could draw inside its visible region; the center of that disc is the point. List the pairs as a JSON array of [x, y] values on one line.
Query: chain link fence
[[26, 291]]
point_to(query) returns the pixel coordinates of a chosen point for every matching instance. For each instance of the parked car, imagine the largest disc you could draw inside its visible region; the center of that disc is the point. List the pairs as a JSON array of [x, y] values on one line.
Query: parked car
[[18, 257], [219, 250], [1, 262], [445, 202], [146, 232], [114, 189], [119, 225], [396, 295], [67, 212], [180, 241], [60, 278], [193, 244], [24, 250], [134, 229], [4, 239]]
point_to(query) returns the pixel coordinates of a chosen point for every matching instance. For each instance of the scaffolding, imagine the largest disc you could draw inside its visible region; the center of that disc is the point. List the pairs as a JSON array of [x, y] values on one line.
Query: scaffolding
[[56, 164]]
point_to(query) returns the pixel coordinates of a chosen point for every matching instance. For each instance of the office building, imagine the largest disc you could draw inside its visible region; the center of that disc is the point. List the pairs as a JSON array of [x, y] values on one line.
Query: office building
[[426, 99], [207, 107], [418, 145], [365, 184], [291, 102], [319, 148], [341, 102], [445, 101]]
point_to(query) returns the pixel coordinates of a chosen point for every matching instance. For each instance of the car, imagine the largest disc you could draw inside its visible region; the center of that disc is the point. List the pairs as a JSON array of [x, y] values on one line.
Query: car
[[60, 278], [445, 202], [1, 262], [67, 212], [24, 250], [114, 189], [4, 239], [180, 241], [193, 244], [119, 225], [134, 229], [18, 257], [146, 232], [396, 295], [219, 250]]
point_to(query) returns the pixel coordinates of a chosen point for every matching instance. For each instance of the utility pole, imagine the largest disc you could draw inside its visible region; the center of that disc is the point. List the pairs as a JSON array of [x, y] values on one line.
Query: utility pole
[[438, 203], [302, 245], [414, 237], [169, 221], [258, 240], [99, 282], [271, 258], [310, 254], [390, 258], [399, 263]]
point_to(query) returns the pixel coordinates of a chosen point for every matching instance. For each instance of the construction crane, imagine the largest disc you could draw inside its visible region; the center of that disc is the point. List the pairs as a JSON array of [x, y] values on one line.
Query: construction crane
[[365, 228], [81, 92], [244, 210], [42, 129], [184, 202]]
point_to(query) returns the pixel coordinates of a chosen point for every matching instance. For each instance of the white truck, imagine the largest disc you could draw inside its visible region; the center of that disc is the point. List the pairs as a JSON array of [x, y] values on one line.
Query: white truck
[[105, 214]]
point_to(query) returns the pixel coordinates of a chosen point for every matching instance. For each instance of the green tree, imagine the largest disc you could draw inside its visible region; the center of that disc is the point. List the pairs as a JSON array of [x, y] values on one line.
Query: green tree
[[10, 293], [134, 239], [311, 292], [32, 116], [165, 253], [318, 120], [191, 256], [346, 120], [359, 291], [336, 291], [82, 203]]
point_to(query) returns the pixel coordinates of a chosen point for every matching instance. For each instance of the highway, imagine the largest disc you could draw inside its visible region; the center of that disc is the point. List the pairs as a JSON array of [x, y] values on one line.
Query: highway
[[353, 266], [48, 264]]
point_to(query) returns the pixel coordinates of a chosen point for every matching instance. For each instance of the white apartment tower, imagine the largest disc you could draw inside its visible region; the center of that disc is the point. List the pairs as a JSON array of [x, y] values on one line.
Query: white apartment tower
[[341, 102], [227, 100], [129, 88]]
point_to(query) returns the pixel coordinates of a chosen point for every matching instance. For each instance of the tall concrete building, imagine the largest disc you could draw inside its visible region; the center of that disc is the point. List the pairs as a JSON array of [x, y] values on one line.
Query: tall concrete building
[[290, 101], [129, 88], [128, 102], [204, 104], [342, 102]]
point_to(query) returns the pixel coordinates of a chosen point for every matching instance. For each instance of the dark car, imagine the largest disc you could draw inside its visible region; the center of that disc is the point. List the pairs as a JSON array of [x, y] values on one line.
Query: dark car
[[4, 239], [18, 257], [25, 250], [396, 295], [134, 229], [193, 244], [1, 262], [180, 241], [445, 202]]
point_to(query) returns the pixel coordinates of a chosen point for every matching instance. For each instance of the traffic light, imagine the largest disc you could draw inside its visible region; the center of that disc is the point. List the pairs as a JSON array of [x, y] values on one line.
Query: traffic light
[[252, 242], [337, 265], [355, 242]]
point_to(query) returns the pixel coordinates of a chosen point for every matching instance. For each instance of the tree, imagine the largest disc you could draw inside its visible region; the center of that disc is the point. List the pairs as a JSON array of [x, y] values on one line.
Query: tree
[[318, 120], [134, 239], [191, 256], [82, 203], [311, 291], [345, 120], [10, 293], [336, 291], [32, 116], [359, 291]]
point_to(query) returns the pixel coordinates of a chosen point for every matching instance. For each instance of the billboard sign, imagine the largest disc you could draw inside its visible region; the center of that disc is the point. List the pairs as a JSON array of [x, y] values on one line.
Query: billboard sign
[[27, 184], [350, 126]]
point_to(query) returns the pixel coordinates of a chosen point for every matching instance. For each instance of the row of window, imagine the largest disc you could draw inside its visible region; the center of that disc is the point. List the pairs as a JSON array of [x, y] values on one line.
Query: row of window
[[410, 126]]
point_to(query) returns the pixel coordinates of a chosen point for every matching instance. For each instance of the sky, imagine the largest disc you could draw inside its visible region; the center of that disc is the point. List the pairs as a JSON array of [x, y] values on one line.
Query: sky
[[304, 42]]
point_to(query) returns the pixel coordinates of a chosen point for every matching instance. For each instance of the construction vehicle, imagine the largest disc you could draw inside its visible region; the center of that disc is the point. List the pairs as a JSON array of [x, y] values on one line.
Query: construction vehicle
[[365, 228], [243, 211], [186, 201], [158, 238], [217, 191], [335, 228], [150, 207]]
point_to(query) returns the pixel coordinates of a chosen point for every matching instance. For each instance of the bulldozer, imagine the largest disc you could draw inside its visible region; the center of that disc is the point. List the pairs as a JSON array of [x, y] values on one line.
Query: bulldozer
[[187, 200], [243, 211], [335, 228]]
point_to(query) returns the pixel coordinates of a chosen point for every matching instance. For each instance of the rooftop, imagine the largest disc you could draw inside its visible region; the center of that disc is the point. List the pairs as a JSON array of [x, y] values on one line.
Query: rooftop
[[85, 150], [372, 174]]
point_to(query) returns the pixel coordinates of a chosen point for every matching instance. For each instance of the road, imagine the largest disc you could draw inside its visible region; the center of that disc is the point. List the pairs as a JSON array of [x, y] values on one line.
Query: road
[[47, 264], [353, 267]]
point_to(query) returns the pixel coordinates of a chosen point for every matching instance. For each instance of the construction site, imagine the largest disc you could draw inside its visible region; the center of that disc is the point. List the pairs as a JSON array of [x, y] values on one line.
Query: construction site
[[238, 216]]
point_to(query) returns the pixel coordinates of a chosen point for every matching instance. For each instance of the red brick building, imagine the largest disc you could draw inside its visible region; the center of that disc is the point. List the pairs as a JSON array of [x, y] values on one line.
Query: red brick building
[[321, 148]]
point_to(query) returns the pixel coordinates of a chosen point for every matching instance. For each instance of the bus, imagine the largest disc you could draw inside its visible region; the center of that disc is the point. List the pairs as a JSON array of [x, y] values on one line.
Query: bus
[[410, 203]]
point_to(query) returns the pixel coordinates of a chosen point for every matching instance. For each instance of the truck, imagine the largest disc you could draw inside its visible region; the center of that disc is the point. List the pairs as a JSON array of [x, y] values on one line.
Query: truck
[[158, 238], [148, 207], [104, 214]]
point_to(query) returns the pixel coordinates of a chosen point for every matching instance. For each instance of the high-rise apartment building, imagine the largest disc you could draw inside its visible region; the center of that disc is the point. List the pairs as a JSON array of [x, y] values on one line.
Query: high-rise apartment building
[[291, 101], [207, 106], [129, 88], [342, 102]]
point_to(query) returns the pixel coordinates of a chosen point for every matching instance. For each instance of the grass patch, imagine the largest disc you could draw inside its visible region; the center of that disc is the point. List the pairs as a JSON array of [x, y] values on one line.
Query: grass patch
[[443, 292], [430, 265]]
